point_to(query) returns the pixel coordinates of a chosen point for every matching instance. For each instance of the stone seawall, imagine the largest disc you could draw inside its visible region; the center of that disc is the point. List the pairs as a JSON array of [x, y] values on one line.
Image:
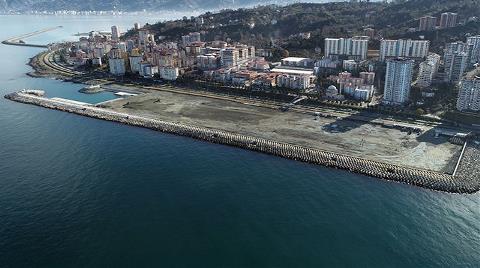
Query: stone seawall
[[11, 43], [419, 177]]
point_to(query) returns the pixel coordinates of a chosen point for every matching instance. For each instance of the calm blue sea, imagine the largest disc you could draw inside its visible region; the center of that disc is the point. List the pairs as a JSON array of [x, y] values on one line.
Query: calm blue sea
[[79, 192]]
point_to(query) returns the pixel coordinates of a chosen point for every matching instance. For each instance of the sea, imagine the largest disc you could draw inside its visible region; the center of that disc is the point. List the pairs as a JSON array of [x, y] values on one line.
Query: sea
[[81, 192]]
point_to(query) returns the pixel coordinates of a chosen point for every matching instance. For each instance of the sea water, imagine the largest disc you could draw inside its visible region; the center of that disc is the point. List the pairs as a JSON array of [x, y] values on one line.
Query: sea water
[[80, 192]]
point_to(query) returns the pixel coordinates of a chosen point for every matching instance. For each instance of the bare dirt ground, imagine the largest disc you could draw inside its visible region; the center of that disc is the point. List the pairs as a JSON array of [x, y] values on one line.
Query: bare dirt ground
[[341, 136]]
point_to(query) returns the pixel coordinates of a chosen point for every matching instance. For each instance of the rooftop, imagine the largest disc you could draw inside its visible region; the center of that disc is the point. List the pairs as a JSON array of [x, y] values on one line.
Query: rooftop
[[474, 74], [296, 59], [292, 71]]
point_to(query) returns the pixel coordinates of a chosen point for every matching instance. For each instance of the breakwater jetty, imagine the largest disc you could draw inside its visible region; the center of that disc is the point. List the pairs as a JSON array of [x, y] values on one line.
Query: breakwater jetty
[[19, 40], [469, 182]]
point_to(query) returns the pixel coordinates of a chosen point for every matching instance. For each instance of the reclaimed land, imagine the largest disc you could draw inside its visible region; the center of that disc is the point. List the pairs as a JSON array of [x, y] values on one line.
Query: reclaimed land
[[351, 133], [467, 180]]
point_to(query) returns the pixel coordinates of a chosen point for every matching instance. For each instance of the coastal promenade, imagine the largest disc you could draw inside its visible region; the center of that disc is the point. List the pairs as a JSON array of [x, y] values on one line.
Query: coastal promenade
[[19, 40], [469, 182]]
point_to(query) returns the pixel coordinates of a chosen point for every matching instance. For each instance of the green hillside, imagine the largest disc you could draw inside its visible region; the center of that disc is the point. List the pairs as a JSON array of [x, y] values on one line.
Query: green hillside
[[262, 24]]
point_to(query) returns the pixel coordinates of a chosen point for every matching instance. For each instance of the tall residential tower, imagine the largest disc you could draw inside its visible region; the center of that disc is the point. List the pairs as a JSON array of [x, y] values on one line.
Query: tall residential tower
[[427, 23], [115, 33], [398, 81], [448, 19], [355, 47], [456, 60], [406, 48], [474, 45], [469, 94]]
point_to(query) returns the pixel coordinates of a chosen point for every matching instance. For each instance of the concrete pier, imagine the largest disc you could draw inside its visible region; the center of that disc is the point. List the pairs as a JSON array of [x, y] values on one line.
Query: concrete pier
[[15, 41], [464, 183]]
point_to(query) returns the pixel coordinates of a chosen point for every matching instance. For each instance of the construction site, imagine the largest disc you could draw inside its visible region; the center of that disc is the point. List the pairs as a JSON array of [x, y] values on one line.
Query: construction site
[[353, 134]]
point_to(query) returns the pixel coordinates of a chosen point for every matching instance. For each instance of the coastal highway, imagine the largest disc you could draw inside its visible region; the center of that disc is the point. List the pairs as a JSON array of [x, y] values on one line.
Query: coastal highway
[[340, 112], [17, 40], [48, 59]]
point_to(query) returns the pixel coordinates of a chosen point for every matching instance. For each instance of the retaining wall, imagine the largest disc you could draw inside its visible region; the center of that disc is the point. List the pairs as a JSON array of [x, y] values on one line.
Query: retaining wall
[[419, 177]]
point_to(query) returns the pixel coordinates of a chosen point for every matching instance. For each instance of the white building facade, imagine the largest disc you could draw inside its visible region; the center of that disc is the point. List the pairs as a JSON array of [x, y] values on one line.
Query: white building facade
[[406, 48], [474, 45], [191, 38], [292, 81], [117, 66], [456, 60], [398, 81], [469, 95], [115, 33], [207, 61], [428, 70], [427, 23], [448, 19], [169, 73], [135, 63], [229, 57], [355, 47]]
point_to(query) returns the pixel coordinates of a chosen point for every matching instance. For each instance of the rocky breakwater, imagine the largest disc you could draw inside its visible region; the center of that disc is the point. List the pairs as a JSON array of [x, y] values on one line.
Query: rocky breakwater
[[419, 177], [468, 169]]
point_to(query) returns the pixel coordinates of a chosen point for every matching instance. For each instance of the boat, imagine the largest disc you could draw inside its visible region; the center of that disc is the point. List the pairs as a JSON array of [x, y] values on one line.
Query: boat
[[124, 94], [90, 87]]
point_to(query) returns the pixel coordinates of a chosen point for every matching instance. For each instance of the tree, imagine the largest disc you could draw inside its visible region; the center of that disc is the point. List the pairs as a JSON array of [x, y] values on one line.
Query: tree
[[419, 112], [279, 53]]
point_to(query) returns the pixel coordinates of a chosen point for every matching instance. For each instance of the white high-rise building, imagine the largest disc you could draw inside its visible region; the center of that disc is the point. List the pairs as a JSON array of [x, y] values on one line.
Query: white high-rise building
[[356, 47], [229, 57], [116, 62], [427, 23], [135, 61], [130, 45], [405, 48], [145, 38], [191, 38], [469, 94], [207, 61], [122, 46], [474, 46], [293, 81], [115, 53], [368, 77], [169, 73], [142, 36], [117, 66], [428, 70], [398, 81], [456, 60], [448, 19], [115, 33]]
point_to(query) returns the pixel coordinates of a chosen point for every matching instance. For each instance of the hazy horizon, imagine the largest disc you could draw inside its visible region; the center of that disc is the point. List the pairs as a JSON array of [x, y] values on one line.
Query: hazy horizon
[[138, 6]]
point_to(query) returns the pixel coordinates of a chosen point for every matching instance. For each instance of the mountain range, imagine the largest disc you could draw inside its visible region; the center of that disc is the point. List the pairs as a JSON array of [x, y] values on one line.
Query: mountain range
[[133, 5]]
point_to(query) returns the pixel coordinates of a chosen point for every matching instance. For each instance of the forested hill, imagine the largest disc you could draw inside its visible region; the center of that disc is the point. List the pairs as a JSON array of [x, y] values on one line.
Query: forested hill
[[132, 5], [263, 24]]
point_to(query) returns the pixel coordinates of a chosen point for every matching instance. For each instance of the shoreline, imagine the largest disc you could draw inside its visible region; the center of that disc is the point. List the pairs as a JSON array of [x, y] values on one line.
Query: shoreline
[[440, 180], [414, 176]]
